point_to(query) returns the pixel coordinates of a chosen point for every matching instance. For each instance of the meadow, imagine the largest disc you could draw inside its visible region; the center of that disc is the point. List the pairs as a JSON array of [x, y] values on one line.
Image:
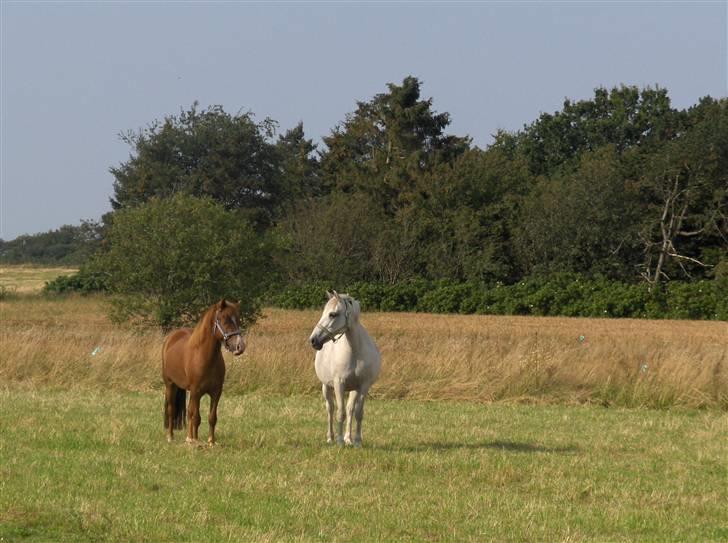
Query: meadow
[[480, 428], [18, 279], [94, 466], [69, 342]]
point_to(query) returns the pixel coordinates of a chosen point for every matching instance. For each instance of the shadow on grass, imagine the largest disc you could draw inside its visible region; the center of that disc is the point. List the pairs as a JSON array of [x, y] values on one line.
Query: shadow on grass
[[510, 446]]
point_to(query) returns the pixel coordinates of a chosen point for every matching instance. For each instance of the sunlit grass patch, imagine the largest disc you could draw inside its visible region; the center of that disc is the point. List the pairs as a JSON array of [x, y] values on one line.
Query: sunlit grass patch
[[23, 279]]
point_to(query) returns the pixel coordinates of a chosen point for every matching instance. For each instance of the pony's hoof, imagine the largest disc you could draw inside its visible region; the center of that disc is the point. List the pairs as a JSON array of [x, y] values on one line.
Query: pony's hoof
[[210, 443], [356, 444], [340, 442], [330, 440], [169, 439]]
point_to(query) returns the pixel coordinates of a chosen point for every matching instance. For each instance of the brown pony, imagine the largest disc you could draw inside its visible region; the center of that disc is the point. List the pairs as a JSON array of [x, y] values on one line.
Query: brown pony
[[191, 360]]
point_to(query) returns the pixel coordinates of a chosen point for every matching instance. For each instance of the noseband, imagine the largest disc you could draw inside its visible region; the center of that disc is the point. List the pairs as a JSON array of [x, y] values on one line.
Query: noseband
[[330, 334]]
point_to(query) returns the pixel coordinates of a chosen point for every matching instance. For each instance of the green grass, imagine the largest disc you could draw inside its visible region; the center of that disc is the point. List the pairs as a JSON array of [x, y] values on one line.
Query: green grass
[[94, 466]]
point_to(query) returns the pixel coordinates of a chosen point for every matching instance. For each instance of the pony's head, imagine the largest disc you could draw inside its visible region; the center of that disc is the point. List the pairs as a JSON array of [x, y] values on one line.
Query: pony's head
[[226, 326], [340, 312]]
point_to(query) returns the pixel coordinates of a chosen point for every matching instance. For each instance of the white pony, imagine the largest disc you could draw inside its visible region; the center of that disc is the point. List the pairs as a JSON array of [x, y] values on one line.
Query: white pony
[[347, 361]]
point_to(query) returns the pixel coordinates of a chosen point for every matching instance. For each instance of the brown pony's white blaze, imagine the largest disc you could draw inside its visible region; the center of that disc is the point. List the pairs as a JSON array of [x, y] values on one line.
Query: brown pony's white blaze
[[192, 361], [347, 360]]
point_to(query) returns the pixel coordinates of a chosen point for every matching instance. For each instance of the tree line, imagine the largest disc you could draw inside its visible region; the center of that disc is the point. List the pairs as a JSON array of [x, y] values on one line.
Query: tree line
[[621, 186], [69, 245]]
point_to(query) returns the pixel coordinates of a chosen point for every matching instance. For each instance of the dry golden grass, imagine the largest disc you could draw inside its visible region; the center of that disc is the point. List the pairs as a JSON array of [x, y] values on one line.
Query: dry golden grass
[[71, 342], [490, 358], [52, 341], [23, 279]]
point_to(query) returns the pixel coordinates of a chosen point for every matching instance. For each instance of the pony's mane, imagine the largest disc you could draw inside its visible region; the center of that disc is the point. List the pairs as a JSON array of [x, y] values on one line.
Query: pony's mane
[[203, 328], [353, 303]]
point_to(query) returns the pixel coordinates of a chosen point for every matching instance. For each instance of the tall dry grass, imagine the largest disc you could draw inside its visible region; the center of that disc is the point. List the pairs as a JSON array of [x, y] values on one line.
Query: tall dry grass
[[70, 343]]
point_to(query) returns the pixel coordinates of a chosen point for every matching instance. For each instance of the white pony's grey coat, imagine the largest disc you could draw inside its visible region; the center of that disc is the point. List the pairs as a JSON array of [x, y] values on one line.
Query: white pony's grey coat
[[347, 360]]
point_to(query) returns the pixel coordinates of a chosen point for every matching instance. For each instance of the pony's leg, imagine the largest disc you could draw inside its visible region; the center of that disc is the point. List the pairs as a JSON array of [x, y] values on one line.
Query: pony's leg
[[359, 414], [328, 393], [193, 416], [353, 396], [170, 392], [340, 410], [212, 418]]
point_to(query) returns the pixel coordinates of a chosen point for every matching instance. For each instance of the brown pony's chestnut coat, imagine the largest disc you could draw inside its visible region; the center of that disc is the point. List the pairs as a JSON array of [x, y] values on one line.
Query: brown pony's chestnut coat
[[192, 360]]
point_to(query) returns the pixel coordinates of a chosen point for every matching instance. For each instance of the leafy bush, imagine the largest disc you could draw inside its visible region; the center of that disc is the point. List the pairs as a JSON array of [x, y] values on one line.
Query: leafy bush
[[456, 298], [401, 296], [304, 296], [700, 300], [85, 281], [558, 295], [169, 259]]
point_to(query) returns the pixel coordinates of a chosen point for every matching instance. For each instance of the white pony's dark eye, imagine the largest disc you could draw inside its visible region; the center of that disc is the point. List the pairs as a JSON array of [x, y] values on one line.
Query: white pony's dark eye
[[333, 314]]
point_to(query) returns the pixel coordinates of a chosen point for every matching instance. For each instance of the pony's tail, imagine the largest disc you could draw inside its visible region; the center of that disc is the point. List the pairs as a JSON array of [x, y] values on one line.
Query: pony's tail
[[180, 410]]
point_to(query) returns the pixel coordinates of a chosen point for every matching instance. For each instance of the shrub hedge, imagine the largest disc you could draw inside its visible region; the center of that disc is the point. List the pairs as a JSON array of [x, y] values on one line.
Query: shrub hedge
[[563, 295], [85, 281]]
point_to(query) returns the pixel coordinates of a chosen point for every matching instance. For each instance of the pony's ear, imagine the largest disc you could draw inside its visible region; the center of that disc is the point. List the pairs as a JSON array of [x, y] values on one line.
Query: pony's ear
[[329, 295], [222, 303], [336, 295]]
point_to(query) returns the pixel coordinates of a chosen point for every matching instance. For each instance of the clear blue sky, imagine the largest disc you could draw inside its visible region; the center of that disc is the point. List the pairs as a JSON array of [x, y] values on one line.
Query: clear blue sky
[[76, 74]]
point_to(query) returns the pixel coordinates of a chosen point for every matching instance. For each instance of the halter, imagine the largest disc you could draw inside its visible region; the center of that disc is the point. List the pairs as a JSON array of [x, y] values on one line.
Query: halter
[[225, 335], [330, 334]]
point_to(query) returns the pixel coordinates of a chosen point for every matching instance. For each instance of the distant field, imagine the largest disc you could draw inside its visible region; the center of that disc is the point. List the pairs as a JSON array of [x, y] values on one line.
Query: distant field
[[94, 466], [26, 279]]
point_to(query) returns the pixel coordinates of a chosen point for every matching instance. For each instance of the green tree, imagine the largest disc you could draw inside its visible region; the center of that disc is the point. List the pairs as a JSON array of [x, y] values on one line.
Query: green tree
[[387, 143], [334, 238], [374, 173], [69, 245], [298, 165], [579, 221], [623, 117], [684, 190], [467, 212], [229, 158], [171, 258]]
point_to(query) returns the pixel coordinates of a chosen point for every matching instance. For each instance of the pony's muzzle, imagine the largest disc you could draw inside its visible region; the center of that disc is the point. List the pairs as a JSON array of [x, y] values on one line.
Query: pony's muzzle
[[237, 346], [316, 343]]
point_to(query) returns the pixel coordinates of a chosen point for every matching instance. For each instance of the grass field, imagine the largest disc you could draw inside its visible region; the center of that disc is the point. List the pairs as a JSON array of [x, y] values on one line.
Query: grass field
[[480, 429], [630, 363], [94, 466], [26, 279]]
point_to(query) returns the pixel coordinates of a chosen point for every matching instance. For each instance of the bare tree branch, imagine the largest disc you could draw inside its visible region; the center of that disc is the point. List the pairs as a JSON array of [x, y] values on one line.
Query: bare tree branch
[[675, 255]]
